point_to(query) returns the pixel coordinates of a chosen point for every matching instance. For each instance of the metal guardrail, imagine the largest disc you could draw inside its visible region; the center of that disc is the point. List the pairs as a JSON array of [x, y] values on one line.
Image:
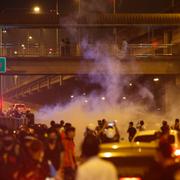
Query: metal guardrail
[[37, 50], [12, 123], [151, 49]]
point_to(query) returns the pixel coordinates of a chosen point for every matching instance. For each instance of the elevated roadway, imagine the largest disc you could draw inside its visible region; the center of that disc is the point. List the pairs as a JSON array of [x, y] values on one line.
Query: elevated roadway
[[169, 65], [90, 20]]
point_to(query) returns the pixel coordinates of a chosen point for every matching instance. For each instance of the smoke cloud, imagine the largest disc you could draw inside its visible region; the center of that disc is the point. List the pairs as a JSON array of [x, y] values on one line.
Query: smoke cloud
[[83, 110]]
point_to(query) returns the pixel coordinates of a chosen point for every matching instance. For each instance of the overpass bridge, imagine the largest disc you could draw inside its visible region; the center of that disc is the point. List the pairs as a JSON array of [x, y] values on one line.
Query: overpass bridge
[[55, 69], [90, 20], [169, 65], [49, 71]]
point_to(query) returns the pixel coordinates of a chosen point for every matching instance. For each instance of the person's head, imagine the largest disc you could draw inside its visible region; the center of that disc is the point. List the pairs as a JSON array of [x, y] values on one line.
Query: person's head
[[164, 123], [62, 122], [52, 136], [131, 124], [90, 146], [103, 121], [91, 127], [141, 122], [176, 120], [28, 112], [36, 150], [70, 132], [99, 123], [52, 123], [67, 125]]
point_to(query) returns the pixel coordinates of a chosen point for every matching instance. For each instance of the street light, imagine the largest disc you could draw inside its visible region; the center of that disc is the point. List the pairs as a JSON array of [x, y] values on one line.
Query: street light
[[36, 9], [156, 79], [15, 52], [4, 31], [130, 84], [30, 37]]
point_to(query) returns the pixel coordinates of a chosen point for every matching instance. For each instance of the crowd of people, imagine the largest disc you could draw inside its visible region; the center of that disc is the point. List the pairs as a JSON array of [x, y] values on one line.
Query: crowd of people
[[37, 152], [165, 127]]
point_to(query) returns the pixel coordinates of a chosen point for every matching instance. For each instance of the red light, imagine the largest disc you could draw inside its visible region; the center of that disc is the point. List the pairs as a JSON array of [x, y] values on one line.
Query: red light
[[130, 178], [155, 44]]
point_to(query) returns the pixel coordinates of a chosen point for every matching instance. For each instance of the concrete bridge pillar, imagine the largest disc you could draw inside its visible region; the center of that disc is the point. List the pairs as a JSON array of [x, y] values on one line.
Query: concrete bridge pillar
[[1, 42], [172, 96]]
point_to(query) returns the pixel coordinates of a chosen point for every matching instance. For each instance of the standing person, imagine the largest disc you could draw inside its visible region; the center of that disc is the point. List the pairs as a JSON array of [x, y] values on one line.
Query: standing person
[[30, 118], [90, 130], [67, 47], [63, 44], [111, 134], [9, 157], [69, 162], [165, 127], [140, 126], [61, 124], [131, 131], [35, 168], [166, 167], [94, 168], [176, 125], [54, 149]]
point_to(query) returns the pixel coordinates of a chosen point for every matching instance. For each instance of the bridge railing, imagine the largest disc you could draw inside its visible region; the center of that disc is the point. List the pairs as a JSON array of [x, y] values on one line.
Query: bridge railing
[[37, 50]]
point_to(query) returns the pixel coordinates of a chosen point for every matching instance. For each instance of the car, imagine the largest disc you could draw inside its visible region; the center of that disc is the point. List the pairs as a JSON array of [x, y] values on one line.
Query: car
[[150, 136], [132, 160], [21, 108]]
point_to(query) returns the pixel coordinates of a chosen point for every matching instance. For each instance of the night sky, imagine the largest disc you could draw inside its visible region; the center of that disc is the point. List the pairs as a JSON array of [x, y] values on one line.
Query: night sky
[[123, 5]]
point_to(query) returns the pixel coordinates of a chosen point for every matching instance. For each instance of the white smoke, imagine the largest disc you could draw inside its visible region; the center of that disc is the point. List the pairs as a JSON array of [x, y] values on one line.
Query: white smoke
[[83, 110]]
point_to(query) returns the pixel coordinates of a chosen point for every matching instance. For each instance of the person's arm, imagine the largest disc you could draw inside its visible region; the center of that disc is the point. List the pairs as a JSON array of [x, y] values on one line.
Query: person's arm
[[60, 172], [61, 160], [104, 127], [72, 159]]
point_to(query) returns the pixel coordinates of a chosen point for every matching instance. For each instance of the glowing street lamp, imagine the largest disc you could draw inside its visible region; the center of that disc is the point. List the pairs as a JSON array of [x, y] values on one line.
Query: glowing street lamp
[[86, 101], [72, 96], [4, 31], [103, 98], [30, 37], [156, 79], [36, 9], [130, 84], [15, 52]]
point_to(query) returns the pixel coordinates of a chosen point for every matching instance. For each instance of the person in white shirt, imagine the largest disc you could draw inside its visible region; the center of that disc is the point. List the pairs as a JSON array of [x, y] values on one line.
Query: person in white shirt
[[94, 168]]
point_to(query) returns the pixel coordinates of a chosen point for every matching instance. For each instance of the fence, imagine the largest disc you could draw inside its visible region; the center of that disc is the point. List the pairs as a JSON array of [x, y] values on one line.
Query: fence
[[36, 50]]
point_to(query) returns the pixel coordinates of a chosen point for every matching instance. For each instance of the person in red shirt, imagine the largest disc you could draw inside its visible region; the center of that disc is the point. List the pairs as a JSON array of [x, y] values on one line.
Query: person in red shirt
[[69, 154]]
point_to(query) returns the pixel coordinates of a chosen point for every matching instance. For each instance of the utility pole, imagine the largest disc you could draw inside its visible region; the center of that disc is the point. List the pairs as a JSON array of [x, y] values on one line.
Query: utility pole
[[114, 6], [1, 94], [57, 30], [79, 6], [172, 3]]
